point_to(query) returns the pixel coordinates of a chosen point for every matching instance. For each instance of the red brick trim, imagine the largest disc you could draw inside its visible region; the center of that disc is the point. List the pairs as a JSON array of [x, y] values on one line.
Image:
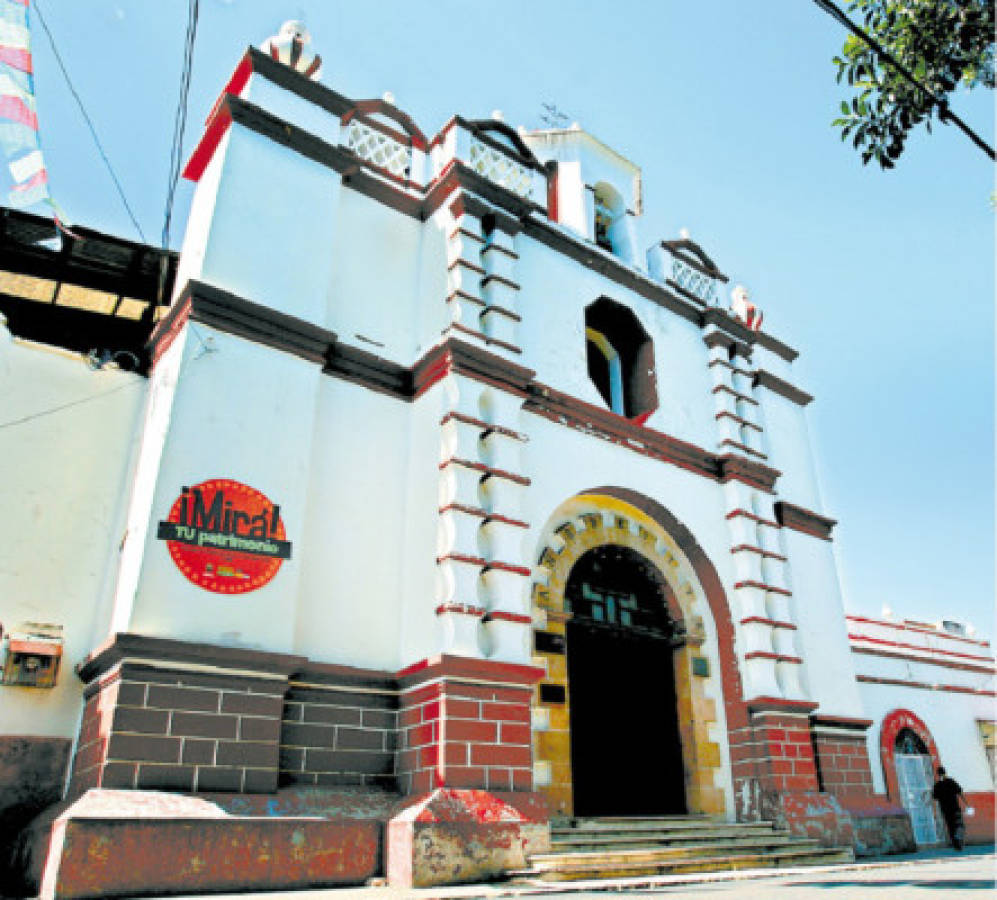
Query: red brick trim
[[921, 685], [907, 626], [919, 648], [943, 663], [462, 608], [502, 616], [461, 558], [508, 567]]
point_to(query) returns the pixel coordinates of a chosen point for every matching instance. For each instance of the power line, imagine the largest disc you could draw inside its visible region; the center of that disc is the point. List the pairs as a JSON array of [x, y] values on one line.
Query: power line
[[86, 117], [180, 120], [944, 113]]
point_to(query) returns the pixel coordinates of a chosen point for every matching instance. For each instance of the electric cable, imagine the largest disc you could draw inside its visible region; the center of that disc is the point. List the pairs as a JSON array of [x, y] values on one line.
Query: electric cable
[[180, 119], [944, 113], [87, 119]]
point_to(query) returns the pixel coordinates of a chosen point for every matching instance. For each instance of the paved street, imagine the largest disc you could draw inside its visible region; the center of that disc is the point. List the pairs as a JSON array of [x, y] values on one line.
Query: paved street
[[934, 875]]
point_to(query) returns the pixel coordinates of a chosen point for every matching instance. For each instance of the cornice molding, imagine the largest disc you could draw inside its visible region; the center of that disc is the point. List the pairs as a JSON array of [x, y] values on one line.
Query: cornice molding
[[777, 385], [804, 520]]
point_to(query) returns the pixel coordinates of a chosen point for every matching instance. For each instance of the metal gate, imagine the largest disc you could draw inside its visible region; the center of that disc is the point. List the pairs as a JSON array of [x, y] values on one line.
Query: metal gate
[[915, 783]]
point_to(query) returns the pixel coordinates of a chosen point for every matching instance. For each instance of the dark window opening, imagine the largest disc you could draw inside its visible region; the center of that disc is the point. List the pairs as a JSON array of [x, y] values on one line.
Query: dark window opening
[[620, 359]]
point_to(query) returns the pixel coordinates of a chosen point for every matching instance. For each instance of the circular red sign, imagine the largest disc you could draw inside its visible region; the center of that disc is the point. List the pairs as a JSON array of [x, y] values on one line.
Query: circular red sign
[[225, 536]]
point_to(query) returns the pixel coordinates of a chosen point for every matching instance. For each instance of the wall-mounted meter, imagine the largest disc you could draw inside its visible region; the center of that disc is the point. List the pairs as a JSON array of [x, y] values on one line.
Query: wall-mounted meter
[[32, 655]]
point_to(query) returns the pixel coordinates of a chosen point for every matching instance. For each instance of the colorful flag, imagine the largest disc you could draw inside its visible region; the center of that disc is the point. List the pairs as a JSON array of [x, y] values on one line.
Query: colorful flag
[[18, 113]]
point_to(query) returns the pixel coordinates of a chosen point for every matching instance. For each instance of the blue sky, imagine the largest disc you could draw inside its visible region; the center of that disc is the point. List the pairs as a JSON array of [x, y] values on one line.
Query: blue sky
[[883, 281]]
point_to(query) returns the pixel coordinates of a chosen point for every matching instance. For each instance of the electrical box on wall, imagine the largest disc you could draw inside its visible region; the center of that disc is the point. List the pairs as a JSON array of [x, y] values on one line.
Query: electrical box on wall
[[32, 654]]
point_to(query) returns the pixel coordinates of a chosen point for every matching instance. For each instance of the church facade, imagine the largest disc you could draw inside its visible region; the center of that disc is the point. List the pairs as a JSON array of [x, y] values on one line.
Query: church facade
[[432, 488]]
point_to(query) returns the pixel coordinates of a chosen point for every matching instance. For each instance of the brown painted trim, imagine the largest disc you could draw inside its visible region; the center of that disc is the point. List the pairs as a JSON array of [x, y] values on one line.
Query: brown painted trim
[[774, 623], [730, 390], [369, 370], [480, 364], [481, 336], [227, 312], [498, 248], [689, 295], [501, 311], [333, 676], [778, 657], [843, 722], [124, 645], [602, 423], [776, 346], [920, 685], [718, 336], [750, 515], [461, 232], [751, 548], [777, 705], [918, 648], [470, 205], [501, 279], [466, 264], [486, 427], [444, 666], [764, 587], [723, 414], [783, 388], [469, 298], [804, 520], [928, 661], [486, 471], [743, 448]]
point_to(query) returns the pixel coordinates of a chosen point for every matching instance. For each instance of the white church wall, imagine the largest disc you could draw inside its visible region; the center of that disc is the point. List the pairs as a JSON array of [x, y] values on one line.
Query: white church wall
[[278, 260], [555, 293], [787, 444], [67, 433], [352, 588], [244, 412], [822, 639], [951, 718]]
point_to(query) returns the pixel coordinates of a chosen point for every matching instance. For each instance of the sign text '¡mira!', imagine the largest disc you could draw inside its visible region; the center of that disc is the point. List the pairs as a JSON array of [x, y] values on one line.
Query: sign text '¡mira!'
[[220, 525]]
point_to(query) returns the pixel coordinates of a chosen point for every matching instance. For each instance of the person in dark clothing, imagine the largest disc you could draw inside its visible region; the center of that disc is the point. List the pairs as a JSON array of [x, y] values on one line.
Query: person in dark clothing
[[950, 801]]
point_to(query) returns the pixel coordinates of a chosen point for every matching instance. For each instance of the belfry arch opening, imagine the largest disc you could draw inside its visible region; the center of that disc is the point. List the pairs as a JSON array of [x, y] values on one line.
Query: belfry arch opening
[[626, 754]]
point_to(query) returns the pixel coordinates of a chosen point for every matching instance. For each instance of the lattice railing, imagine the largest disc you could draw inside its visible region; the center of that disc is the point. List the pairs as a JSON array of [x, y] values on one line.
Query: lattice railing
[[496, 166], [696, 283], [379, 149]]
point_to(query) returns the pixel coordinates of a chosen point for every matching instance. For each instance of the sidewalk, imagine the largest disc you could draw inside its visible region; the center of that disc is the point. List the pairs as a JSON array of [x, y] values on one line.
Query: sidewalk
[[983, 855]]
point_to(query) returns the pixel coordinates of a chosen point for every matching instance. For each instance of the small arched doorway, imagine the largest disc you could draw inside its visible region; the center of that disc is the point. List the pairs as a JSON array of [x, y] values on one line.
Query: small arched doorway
[[626, 753], [915, 780]]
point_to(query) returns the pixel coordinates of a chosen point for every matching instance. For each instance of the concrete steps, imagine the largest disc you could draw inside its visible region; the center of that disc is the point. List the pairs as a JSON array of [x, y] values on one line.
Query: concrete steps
[[628, 848]]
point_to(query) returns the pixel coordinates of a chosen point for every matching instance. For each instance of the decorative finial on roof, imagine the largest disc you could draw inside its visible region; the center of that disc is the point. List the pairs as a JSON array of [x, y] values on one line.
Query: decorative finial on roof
[[288, 47], [684, 234], [743, 309], [388, 97], [498, 115]]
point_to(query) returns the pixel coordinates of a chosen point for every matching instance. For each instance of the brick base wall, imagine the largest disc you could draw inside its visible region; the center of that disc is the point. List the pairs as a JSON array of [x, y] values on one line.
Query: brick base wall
[[189, 717], [465, 723], [843, 766], [341, 732]]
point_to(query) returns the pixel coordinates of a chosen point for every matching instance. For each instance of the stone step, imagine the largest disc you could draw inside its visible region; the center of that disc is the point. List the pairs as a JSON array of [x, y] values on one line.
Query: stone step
[[727, 838], [705, 829], [551, 860], [606, 866]]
